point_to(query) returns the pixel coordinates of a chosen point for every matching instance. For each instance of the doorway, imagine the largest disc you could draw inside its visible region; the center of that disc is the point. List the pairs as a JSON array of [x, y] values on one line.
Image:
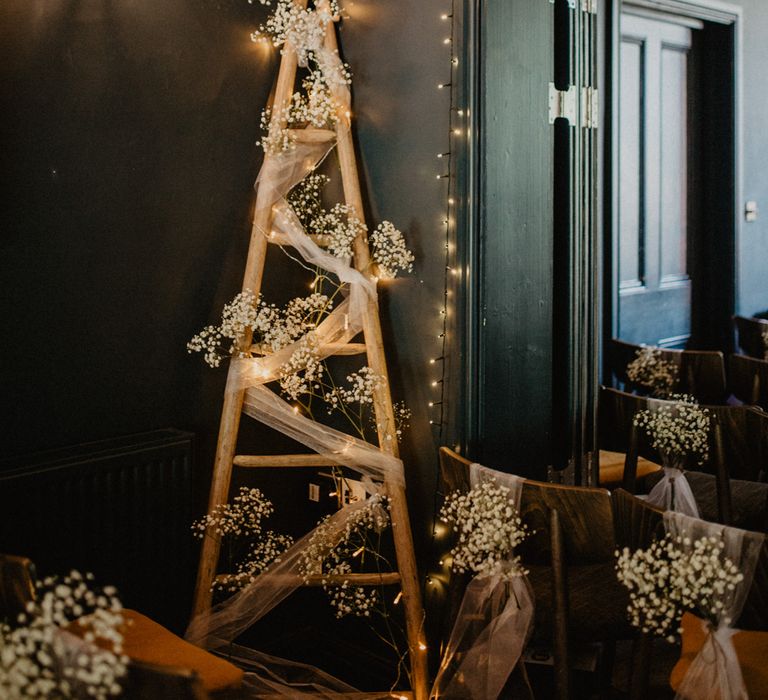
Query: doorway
[[672, 173]]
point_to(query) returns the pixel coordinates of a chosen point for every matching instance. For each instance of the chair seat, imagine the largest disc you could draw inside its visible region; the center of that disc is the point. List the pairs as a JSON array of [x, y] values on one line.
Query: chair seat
[[751, 648], [597, 602], [146, 641], [612, 467]]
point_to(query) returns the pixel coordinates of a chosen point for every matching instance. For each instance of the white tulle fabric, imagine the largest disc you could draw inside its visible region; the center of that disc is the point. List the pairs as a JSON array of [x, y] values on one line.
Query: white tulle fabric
[[493, 623], [218, 628], [673, 492], [715, 673]]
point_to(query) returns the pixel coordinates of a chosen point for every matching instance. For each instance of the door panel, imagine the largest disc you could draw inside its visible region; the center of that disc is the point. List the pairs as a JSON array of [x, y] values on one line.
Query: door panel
[[654, 284]]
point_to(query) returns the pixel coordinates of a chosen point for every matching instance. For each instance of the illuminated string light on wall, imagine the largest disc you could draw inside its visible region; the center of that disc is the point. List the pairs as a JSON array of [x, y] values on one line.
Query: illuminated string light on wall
[[436, 580], [446, 173]]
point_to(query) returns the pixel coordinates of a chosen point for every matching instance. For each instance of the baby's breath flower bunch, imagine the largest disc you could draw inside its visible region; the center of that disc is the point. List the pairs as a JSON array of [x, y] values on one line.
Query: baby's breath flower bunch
[[678, 428], [390, 253], [272, 327], [240, 525], [488, 528], [40, 658], [675, 575], [330, 553], [653, 373]]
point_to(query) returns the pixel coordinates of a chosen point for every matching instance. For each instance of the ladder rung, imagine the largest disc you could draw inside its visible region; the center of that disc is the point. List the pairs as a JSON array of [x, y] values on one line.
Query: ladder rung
[[387, 579], [329, 349], [311, 135], [311, 460]]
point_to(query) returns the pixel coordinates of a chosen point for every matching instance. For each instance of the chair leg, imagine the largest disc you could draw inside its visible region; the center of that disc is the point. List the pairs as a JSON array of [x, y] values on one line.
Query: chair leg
[[641, 666], [559, 588], [722, 482]]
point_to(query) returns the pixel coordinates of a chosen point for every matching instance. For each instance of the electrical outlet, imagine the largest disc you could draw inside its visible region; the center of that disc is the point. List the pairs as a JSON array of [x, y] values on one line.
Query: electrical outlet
[[314, 493]]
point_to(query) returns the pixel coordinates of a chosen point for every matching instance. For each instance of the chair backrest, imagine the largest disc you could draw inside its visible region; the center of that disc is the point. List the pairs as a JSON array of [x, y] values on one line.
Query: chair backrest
[[754, 615], [742, 442], [585, 514], [585, 517], [145, 680], [17, 586], [616, 413], [750, 335], [701, 373], [748, 379], [636, 522]]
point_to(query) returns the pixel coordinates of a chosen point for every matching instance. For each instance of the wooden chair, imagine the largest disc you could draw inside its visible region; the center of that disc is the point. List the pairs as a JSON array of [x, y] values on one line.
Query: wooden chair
[[748, 380], [637, 524], [570, 558], [701, 373], [750, 335], [751, 642], [625, 454], [162, 665], [17, 586]]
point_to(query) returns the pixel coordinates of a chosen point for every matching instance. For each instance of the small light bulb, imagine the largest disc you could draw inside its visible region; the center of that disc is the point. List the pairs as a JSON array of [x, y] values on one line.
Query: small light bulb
[[451, 200], [397, 598], [444, 17], [460, 112], [434, 383], [431, 404], [422, 646], [432, 361], [447, 40], [457, 132]]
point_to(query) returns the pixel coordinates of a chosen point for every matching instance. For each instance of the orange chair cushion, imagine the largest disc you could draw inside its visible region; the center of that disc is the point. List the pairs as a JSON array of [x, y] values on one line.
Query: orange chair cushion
[[145, 640], [612, 467], [751, 648]]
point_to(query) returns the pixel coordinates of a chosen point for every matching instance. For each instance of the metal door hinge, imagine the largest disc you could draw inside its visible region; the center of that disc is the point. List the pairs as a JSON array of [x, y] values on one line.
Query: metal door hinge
[[590, 108], [589, 6], [562, 104]]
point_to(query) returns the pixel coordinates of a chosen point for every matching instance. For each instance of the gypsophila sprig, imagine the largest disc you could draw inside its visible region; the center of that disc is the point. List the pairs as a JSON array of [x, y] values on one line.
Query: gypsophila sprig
[[650, 371], [306, 198], [239, 524], [675, 575], [678, 428], [272, 327], [362, 385], [389, 251], [331, 551], [339, 229], [40, 657], [488, 528]]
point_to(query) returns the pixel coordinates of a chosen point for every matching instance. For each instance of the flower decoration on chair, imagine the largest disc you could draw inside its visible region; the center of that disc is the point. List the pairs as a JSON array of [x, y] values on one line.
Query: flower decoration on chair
[[651, 372], [67, 644], [676, 575], [678, 429], [488, 529], [251, 549]]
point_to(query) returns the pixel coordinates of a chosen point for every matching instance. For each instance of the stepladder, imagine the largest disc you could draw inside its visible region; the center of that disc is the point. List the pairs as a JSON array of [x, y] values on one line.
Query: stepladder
[[351, 327]]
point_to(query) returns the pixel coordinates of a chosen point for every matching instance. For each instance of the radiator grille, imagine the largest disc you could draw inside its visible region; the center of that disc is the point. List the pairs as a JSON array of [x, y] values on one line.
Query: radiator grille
[[119, 508]]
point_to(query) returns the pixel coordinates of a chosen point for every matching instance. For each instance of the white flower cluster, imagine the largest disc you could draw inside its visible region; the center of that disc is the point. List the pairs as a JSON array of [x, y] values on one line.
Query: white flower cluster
[[363, 384], [267, 551], [38, 659], [331, 553], [314, 107], [274, 328], [302, 28], [650, 371], [390, 252], [306, 198], [488, 528], [339, 228], [241, 521], [303, 370], [678, 429], [675, 575]]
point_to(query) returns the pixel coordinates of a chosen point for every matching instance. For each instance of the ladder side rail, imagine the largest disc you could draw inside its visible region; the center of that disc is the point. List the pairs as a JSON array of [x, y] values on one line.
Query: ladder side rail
[[234, 393]]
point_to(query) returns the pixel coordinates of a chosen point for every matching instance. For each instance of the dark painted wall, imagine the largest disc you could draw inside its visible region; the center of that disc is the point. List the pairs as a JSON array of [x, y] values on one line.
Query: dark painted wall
[[128, 135]]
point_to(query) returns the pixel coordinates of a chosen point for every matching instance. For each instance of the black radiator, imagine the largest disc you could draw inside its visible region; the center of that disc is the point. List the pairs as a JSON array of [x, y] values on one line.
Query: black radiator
[[120, 508]]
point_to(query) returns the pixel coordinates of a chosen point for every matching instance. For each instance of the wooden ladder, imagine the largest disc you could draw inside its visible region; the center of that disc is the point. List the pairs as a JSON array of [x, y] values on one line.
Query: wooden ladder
[[406, 575]]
